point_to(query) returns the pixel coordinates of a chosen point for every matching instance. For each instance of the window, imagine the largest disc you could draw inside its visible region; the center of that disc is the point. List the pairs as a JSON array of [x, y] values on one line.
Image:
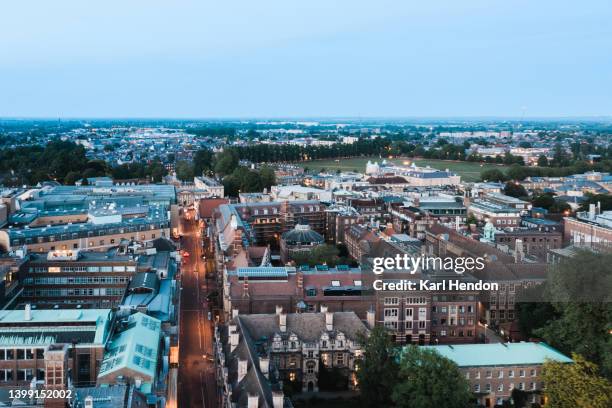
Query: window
[[476, 387], [391, 301], [391, 325], [477, 375], [533, 386], [7, 354], [6, 375], [340, 359], [40, 354], [357, 282], [311, 292], [533, 372], [522, 373], [489, 374], [24, 374], [488, 388], [408, 314], [391, 312], [335, 283], [500, 374], [500, 387], [310, 367], [421, 324], [511, 373]]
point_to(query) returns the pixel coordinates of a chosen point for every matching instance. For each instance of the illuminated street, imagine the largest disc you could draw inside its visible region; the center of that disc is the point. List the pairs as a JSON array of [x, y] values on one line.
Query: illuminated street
[[196, 370]]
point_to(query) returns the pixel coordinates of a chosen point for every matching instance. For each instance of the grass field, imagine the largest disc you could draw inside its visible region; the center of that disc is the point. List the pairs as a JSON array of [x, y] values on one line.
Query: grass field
[[467, 170]]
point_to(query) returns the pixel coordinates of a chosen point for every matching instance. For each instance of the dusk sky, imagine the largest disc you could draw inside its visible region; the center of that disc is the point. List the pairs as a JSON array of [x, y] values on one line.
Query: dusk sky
[[315, 58]]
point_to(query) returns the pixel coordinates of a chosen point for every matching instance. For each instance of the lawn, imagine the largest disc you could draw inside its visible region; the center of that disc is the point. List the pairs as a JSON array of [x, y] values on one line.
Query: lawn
[[467, 170]]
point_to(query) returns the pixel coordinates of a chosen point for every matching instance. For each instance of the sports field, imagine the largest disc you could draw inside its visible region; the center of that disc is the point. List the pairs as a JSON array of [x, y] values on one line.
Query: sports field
[[467, 170]]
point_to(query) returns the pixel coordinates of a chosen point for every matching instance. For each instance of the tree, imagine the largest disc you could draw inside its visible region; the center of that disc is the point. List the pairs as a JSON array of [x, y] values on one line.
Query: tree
[[575, 385], [226, 162], [377, 374], [184, 171], [203, 161], [493, 175], [429, 380], [514, 189], [267, 177], [579, 290], [605, 201], [519, 398], [542, 161]]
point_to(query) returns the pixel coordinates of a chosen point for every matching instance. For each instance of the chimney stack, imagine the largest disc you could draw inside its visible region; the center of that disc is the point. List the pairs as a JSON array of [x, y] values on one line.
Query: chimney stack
[[264, 366], [323, 309], [27, 312], [242, 369], [278, 399], [234, 313], [279, 310], [592, 211], [329, 321], [253, 401], [371, 318], [282, 322], [234, 339]]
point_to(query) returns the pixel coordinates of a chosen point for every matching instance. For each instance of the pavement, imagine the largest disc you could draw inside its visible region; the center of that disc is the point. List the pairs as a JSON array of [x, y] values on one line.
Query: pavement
[[196, 376]]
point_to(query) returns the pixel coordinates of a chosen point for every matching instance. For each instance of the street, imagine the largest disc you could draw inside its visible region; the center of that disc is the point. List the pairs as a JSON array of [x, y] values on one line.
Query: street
[[196, 370]]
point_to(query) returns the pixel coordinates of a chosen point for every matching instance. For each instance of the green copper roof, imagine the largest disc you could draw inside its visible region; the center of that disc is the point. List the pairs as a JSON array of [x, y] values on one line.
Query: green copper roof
[[500, 354]]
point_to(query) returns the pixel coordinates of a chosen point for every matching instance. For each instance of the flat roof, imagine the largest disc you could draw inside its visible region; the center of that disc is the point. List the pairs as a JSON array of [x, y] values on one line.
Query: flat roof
[[500, 354]]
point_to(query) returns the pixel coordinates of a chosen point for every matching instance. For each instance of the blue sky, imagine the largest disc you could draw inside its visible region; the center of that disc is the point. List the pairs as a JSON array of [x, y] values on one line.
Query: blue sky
[[315, 58]]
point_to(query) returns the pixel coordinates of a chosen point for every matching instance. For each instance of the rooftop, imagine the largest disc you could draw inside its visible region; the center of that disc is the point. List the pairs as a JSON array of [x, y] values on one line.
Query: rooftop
[[500, 354]]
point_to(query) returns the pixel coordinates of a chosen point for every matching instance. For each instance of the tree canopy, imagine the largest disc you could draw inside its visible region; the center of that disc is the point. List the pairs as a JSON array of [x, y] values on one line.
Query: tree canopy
[[575, 385]]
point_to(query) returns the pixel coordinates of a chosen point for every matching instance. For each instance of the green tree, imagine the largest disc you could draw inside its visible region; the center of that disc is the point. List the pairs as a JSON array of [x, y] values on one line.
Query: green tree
[[514, 189], [184, 171], [203, 161], [493, 175], [579, 289], [575, 385], [226, 162], [267, 177], [377, 374], [429, 380], [542, 161]]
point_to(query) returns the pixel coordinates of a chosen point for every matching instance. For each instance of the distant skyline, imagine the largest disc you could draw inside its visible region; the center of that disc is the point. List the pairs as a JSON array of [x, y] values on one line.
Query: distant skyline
[[475, 59]]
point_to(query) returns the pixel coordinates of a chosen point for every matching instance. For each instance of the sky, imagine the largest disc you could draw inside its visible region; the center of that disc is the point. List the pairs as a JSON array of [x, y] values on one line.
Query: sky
[[305, 58]]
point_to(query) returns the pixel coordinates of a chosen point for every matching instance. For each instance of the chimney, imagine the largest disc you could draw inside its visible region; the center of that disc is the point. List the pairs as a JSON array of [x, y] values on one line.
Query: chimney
[[282, 322], [27, 315], [371, 318], [592, 211], [89, 402], [299, 280], [264, 366], [323, 309], [278, 399], [329, 321], [242, 369], [234, 313], [279, 310], [245, 287], [253, 401], [234, 339]]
